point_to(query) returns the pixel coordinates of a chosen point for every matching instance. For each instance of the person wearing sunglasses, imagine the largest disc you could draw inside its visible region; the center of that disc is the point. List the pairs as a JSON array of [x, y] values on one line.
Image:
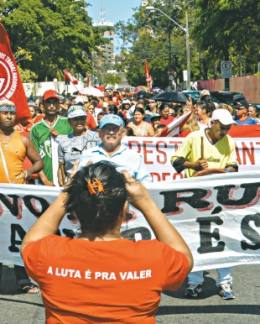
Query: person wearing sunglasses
[[242, 114]]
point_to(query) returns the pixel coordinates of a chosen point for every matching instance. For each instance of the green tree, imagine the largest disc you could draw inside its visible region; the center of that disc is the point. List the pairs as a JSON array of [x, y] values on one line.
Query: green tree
[[228, 30], [154, 37], [219, 30], [57, 35], [112, 79]]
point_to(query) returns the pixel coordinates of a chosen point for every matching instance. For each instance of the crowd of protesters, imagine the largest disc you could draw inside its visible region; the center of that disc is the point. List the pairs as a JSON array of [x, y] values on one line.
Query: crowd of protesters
[[82, 127], [74, 122], [143, 116]]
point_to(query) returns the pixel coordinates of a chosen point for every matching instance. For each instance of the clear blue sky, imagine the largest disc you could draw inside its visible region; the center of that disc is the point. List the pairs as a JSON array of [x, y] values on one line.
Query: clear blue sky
[[114, 10]]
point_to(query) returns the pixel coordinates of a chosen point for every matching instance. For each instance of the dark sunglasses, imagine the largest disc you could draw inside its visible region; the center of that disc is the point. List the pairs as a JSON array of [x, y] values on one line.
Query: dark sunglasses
[[51, 101], [80, 118]]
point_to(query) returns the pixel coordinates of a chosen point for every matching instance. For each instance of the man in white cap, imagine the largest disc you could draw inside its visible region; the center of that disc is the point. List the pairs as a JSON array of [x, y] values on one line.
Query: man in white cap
[[207, 152], [71, 146], [111, 132]]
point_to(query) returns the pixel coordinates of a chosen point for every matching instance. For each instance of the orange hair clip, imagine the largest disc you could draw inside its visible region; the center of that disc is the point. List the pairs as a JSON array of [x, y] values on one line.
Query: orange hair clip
[[95, 186]]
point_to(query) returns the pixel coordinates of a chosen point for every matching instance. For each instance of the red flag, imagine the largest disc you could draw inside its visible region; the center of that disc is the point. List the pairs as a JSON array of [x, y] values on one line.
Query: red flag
[[11, 86], [245, 130], [173, 129], [149, 80], [69, 77]]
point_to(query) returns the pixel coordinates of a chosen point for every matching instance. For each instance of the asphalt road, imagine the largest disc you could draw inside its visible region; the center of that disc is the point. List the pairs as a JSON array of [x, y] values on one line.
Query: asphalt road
[[174, 308]]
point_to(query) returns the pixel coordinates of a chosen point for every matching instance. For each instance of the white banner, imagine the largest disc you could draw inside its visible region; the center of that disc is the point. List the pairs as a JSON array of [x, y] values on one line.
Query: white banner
[[157, 152], [218, 215]]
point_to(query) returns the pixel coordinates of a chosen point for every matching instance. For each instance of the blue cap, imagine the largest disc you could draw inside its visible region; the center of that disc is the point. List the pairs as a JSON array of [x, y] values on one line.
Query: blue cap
[[111, 119]]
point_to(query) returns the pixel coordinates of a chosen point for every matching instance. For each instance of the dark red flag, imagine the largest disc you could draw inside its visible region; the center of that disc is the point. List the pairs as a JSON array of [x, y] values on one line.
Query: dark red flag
[[68, 77], [149, 80], [11, 86]]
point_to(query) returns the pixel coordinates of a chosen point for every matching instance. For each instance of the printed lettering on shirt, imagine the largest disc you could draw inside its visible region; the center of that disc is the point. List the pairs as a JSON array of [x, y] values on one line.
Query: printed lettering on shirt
[[63, 272], [99, 275], [136, 275]]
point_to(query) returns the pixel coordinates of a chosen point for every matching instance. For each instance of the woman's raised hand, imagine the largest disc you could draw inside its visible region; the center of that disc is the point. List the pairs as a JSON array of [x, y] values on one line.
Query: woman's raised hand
[[138, 196]]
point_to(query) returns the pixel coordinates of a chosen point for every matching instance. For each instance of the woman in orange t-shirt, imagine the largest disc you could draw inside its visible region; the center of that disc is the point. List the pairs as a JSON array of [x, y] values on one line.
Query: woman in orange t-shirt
[[100, 276]]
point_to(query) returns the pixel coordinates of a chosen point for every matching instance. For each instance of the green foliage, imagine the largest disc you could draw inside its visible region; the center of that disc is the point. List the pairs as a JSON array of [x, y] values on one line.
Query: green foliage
[[27, 75], [157, 39], [56, 34], [219, 30], [48, 36], [112, 79], [22, 54], [228, 30]]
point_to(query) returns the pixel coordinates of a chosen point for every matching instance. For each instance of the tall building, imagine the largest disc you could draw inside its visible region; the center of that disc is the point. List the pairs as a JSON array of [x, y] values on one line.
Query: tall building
[[107, 50]]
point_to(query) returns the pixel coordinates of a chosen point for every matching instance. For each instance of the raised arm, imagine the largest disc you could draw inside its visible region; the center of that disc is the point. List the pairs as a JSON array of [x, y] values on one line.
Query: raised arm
[[48, 223], [163, 229]]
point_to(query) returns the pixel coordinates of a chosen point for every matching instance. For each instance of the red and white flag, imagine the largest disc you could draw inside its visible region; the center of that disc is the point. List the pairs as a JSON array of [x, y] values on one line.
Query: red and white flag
[[173, 129], [149, 80], [11, 86], [69, 77]]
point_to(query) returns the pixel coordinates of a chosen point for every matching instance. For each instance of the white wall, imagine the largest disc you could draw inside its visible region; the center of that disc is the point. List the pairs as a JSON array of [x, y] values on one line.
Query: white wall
[[38, 88]]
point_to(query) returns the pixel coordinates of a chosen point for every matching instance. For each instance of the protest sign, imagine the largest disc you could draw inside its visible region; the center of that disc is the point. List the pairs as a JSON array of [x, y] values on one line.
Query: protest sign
[[218, 215], [157, 153]]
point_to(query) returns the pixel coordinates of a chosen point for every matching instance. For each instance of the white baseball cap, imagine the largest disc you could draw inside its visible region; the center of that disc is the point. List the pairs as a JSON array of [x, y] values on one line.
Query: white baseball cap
[[204, 92], [76, 111], [223, 116], [80, 100], [126, 101]]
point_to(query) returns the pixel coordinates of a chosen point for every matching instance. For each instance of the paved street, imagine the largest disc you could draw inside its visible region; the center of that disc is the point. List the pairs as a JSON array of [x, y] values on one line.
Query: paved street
[[174, 308]]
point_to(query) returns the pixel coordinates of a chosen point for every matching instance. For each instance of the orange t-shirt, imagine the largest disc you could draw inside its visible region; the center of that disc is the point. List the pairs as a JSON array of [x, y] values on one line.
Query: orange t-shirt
[[117, 281], [12, 156]]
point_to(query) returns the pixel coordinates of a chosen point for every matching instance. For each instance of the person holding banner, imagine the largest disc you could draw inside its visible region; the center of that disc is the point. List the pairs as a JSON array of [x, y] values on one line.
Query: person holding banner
[[111, 132], [100, 277], [202, 153], [73, 145], [14, 148]]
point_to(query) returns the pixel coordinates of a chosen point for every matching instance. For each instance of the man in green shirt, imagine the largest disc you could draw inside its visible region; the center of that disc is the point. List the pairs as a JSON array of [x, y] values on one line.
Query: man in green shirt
[[44, 132]]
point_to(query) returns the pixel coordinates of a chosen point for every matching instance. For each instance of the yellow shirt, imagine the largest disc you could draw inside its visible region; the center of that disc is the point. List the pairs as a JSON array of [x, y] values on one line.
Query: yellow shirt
[[219, 155], [12, 155]]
